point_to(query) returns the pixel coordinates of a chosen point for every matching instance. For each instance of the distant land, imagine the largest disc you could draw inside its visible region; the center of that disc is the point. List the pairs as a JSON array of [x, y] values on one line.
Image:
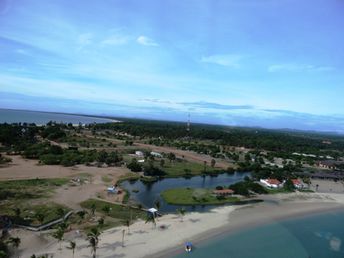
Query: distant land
[[102, 118]]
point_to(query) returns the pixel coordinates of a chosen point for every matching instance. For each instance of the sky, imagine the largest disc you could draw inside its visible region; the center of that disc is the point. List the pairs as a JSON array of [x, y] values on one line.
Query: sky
[[266, 63]]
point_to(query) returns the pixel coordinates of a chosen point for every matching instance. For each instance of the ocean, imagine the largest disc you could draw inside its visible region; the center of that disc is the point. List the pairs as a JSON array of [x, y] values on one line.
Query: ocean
[[21, 116], [317, 236]]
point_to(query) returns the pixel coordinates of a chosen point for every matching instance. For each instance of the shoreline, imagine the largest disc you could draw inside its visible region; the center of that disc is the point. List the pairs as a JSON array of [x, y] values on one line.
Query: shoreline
[[146, 241], [228, 230]]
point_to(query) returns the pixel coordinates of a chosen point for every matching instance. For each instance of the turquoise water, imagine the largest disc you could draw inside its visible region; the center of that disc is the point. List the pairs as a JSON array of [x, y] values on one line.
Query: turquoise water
[[319, 236], [19, 116]]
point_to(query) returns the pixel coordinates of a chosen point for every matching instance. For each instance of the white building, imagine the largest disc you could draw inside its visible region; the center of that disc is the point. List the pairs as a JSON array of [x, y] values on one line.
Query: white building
[[271, 183], [139, 153], [156, 154]]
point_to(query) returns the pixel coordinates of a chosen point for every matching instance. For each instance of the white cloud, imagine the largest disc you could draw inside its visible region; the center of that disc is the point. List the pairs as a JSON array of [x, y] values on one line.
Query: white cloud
[[298, 68], [224, 60], [143, 40], [116, 40]]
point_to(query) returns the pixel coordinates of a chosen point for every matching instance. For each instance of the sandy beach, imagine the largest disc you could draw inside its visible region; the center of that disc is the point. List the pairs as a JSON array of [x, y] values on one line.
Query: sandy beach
[[145, 240]]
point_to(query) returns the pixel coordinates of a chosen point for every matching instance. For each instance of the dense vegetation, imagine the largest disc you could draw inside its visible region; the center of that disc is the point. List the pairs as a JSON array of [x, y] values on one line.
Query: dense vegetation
[[190, 196], [272, 140], [121, 214], [25, 139]]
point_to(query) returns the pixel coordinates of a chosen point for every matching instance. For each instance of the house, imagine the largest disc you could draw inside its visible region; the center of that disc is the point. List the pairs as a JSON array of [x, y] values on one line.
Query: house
[[297, 183], [224, 192], [139, 153], [156, 154], [271, 183], [330, 164]]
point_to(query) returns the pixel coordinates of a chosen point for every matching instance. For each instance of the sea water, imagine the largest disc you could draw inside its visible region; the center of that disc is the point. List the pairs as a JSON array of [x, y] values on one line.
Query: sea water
[[317, 236], [22, 116]]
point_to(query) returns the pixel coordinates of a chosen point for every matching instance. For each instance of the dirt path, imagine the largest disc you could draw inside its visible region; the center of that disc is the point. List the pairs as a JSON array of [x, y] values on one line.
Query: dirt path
[[188, 155], [68, 195]]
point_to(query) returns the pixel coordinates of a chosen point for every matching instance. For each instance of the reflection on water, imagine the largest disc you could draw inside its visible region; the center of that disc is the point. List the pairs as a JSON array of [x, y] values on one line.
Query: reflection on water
[[148, 193]]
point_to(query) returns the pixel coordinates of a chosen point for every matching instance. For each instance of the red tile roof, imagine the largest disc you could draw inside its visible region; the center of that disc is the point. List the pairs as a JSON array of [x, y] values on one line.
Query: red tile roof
[[273, 181], [296, 181], [224, 191]]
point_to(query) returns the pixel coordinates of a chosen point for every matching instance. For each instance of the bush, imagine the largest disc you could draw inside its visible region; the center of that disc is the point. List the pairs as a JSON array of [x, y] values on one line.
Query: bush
[[134, 166]]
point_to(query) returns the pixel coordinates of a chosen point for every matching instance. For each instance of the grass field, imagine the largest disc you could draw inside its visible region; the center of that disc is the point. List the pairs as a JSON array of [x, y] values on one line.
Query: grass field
[[119, 214], [198, 196], [29, 198]]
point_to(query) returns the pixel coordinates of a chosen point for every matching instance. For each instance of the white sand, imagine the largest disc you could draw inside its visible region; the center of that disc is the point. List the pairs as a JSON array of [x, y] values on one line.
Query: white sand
[[144, 240]]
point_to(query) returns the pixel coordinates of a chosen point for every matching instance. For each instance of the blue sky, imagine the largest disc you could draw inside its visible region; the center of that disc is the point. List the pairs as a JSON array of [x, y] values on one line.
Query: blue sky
[[269, 63]]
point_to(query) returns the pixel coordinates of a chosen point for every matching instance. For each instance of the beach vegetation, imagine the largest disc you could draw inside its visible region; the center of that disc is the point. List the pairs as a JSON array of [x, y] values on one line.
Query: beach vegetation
[[194, 196]]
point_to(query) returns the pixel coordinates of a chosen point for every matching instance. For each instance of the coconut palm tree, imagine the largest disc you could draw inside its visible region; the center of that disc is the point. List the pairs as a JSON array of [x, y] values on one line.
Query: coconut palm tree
[[151, 219], [157, 204], [93, 239], [181, 213], [93, 209], [40, 217], [14, 242], [72, 246], [58, 234]]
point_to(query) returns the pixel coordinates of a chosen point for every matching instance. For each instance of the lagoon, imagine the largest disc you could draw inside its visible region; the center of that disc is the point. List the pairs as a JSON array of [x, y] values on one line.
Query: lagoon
[[148, 193]]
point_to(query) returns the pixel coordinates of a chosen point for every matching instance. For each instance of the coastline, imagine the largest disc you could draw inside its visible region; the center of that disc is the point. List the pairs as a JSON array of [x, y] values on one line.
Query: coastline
[[146, 241], [237, 227]]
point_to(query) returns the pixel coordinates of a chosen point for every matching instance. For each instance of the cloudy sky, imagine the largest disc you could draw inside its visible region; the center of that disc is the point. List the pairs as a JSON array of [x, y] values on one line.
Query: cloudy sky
[[269, 63]]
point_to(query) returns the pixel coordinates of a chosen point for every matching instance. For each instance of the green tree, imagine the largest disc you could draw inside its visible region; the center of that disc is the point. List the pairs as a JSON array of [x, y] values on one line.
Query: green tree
[[93, 239], [14, 242], [288, 185], [106, 209], [151, 219], [58, 234], [93, 209], [181, 212], [72, 246], [212, 163], [162, 163]]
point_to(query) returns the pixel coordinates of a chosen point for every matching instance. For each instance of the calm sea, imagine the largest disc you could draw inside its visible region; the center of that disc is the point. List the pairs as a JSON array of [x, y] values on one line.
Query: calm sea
[[319, 236], [19, 116]]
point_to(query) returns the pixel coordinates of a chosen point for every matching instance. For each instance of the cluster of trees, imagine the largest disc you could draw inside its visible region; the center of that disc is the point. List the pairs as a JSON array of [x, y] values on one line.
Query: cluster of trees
[[272, 140], [22, 138], [246, 187], [148, 168]]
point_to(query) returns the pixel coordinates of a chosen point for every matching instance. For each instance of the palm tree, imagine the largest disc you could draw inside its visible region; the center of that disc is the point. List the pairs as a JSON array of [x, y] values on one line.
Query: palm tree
[[127, 223], [205, 166], [106, 209], [60, 212], [212, 163], [58, 234], [181, 213], [17, 212], [157, 204], [93, 239], [40, 217], [123, 233], [14, 241], [151, 219], [72, 246], [93, 209]]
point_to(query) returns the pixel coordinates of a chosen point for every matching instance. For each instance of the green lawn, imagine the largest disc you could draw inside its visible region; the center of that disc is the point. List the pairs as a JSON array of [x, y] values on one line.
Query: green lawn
[[185, 168], [30, 196], [190, 196], [29, 189], [119, 213], [28, 212]]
